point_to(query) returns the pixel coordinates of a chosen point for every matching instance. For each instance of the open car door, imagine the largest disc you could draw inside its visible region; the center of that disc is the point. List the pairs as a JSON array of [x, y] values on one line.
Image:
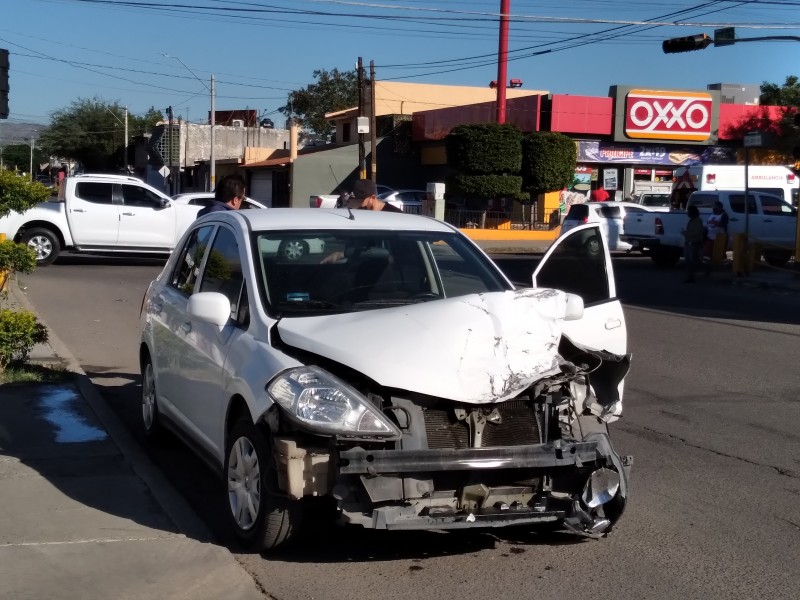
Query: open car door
[[579, 263]]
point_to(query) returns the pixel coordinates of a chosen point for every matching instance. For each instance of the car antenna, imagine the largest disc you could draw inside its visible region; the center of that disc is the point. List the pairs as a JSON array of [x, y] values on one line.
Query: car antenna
[[346, 195]]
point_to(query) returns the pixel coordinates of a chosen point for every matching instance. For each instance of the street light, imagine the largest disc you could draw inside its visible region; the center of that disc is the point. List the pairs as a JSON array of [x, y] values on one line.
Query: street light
[[212, 158]]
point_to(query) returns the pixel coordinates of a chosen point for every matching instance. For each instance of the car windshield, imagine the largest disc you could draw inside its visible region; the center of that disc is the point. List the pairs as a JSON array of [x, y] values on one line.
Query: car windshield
[[305, 273]]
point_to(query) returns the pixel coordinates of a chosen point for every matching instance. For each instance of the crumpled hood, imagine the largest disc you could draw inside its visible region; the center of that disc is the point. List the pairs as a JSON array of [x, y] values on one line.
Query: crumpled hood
[[478, 349]]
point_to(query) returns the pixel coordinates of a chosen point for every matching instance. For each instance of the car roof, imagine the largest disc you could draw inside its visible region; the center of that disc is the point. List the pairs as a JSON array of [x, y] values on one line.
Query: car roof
[[334, 218]]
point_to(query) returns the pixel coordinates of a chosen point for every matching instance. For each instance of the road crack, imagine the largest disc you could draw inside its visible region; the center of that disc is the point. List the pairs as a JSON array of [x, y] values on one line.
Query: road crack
[[779, 470]]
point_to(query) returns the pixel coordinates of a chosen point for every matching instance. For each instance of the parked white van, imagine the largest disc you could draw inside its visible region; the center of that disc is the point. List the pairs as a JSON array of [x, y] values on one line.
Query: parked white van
[[776, 180]]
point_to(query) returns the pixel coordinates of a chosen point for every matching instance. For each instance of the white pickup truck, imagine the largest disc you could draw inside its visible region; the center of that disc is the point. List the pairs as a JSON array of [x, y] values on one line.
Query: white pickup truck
[[101, 214], [772, 221]]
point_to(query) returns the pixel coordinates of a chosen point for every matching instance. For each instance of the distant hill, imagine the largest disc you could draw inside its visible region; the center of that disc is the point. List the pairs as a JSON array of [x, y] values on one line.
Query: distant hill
[[19, 133]]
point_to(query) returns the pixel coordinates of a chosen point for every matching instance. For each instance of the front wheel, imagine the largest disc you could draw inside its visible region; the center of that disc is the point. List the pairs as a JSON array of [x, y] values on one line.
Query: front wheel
[[44, 243], [262, 516]]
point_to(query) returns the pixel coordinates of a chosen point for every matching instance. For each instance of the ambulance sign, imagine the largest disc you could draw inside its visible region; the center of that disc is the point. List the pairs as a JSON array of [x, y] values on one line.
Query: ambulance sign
[[668, 115]]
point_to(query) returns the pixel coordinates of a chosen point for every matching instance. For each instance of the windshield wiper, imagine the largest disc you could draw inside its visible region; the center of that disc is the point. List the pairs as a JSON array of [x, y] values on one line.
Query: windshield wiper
[[308, 305]]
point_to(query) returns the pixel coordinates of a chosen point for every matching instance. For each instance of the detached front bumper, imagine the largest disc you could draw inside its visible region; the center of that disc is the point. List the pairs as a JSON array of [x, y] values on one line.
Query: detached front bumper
[[481, 487]]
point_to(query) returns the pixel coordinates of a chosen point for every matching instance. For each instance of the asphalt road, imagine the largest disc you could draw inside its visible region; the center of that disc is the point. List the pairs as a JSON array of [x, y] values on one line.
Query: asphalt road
[[711, 419]]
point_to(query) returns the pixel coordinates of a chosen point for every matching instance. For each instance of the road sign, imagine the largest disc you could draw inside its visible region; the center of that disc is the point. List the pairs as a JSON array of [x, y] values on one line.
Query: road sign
[[753, 140], [725, 36]]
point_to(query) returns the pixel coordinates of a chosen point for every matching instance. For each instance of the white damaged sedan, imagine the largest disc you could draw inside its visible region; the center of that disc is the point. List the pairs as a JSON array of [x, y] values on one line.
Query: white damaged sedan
[[400, 375]]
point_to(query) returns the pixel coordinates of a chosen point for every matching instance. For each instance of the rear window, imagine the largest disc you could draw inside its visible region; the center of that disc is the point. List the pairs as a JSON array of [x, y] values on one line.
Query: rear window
[[578, 212], [95, 192]]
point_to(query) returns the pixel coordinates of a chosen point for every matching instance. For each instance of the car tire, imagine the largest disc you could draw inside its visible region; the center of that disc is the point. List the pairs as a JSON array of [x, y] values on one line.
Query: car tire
[[665, 257], [777, 258], [151, 419], [293, 249], [263, 517], [44, 242]]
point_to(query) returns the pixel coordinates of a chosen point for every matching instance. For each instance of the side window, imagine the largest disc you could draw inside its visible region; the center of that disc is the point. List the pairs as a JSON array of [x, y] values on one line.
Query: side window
[[133, 195], [94, 192], [191, 255], [578, 266], [223, 269], [701, 200], [775, 207], [737, 204]]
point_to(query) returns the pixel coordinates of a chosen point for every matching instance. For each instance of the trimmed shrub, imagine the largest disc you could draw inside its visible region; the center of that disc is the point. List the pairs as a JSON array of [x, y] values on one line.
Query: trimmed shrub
[[485, 186], [484, 148], [548, 161], [16, 257], [20, 331], [18, 194]]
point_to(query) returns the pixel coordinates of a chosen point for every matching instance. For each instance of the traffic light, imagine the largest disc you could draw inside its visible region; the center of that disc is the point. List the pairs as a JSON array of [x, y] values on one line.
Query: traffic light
[[686, 44], [3, 83]]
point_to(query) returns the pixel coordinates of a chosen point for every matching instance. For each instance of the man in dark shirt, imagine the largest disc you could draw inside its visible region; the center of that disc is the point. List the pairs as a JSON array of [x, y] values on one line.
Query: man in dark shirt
[[228, 195], [365, 196]]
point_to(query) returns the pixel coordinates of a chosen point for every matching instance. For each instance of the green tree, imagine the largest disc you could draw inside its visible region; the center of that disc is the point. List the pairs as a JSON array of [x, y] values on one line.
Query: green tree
[[17, 157], [334, 90], [787, 94], [92, 132]]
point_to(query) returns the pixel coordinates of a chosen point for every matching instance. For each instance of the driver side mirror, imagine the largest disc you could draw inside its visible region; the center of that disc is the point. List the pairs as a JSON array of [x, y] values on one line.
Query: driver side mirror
[[210, 307]]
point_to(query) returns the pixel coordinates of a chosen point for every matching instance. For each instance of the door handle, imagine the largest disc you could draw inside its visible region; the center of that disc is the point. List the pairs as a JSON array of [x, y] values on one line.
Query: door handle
[[78, 210], [129, 214], [767, 220], [733, 219], [613, 323], [187, 327]]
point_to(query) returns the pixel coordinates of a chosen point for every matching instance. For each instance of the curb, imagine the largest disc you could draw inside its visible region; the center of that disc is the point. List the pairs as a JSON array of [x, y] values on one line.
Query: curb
[[177, 509]]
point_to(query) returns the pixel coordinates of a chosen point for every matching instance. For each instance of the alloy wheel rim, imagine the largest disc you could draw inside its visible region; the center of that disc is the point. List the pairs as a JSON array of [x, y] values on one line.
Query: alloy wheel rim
[[41, 245], [294, 250], [244, 483], [148, 397]]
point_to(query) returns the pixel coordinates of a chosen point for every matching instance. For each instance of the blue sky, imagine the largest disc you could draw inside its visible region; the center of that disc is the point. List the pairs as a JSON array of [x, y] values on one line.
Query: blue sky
[[258, 50]]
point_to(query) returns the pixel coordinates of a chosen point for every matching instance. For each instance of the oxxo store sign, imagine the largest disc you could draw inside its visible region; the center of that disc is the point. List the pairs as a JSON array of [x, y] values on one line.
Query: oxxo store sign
[[665, 116]]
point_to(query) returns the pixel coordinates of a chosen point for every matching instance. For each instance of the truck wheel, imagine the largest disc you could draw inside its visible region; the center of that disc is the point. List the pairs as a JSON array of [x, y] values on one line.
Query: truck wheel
[[665, 257], [150, 416], [777, 258], [262, 516], [45, 243]]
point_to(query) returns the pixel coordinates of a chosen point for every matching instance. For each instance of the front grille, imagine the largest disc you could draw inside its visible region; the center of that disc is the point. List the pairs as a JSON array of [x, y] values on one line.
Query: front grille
[[518, 426]]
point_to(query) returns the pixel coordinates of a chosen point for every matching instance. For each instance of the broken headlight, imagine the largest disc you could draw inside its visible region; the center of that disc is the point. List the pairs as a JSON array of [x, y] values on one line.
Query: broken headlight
[[316, 399]]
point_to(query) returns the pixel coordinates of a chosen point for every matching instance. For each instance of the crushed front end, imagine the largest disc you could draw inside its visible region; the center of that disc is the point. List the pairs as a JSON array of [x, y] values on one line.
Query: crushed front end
[[543, 456]]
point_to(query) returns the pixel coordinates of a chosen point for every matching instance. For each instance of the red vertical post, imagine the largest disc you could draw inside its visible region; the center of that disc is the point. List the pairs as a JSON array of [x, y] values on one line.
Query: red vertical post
[[502, 61]]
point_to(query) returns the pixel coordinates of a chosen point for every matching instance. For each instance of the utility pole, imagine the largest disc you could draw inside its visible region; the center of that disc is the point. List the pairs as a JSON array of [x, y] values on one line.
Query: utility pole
[[502, 61], [213, 161], [362, 166], [169, 150], [33, 142], [125, 150], [373, 134]]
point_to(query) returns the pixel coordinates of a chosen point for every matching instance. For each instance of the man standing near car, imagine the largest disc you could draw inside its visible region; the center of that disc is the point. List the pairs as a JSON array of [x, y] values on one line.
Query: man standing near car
[[228, 195], [365, 195]]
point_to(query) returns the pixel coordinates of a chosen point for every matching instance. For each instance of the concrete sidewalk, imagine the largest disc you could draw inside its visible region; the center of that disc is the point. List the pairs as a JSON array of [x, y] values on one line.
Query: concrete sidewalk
[[83, 511]]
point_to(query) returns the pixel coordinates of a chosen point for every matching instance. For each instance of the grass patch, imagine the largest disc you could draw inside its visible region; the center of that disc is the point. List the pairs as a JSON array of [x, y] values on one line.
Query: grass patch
[[27, 373]]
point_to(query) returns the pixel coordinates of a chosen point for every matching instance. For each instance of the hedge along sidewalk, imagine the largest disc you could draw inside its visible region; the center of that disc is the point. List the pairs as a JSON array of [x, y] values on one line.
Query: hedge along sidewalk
[[45, 354]]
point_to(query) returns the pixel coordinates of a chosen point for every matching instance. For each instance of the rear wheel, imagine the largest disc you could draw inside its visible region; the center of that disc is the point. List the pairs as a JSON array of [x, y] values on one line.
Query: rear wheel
[[44, 242], [150, 416], [777, 258], [262, 516], [665, 257]]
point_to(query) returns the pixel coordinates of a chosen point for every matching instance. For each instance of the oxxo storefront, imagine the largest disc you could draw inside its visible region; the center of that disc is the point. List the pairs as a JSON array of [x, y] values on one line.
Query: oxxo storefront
[[630, 141]]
